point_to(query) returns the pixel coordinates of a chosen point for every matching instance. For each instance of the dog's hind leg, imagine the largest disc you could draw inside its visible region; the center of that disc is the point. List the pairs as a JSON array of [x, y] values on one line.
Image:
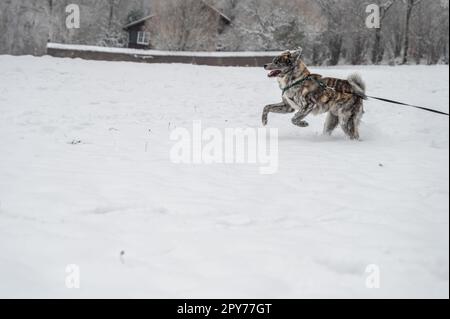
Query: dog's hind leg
[[350, 124], [280, 108], [350, 129], [331, 123]]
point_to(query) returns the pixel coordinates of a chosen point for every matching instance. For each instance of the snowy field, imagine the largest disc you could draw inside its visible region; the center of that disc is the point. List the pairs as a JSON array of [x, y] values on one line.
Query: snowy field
[[85, 179]]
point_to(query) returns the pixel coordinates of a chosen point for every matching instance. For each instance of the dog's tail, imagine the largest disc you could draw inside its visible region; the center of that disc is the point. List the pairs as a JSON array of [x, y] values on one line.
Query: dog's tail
[[359, 86]]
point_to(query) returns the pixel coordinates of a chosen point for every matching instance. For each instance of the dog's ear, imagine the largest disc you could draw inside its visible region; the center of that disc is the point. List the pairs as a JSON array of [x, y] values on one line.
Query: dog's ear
[[298, 51], [297, 54]]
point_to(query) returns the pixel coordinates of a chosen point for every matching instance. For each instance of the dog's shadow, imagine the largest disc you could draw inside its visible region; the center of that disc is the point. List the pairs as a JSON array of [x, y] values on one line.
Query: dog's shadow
[[315, 135], [312, 137], [317, 138]]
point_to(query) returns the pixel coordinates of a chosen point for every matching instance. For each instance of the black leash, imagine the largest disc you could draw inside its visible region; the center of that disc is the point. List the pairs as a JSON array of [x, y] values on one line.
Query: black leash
[[324, 86], [404, 104]]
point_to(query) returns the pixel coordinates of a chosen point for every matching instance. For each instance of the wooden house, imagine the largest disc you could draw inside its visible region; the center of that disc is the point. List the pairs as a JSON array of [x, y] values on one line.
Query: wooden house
[[139, 31]]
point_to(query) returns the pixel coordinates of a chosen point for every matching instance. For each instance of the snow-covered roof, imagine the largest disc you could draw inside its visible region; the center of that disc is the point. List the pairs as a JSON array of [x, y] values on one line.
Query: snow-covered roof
[[129, 25], [224, 16], [220, 13], [157, 52]]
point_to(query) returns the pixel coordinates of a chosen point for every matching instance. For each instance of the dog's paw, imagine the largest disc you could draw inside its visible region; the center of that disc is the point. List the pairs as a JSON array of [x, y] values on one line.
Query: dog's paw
[[302, 124]]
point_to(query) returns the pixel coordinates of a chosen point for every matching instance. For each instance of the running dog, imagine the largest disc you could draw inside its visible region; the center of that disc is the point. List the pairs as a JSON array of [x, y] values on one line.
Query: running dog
[[305, 93]]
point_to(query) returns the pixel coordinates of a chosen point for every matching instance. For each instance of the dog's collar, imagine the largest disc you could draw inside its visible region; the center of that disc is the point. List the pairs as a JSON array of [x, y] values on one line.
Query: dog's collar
[[296, 83], [301, 81]]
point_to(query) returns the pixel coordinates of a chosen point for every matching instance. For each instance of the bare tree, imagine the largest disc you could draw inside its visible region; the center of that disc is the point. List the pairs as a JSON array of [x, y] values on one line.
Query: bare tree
[[378, 47], [268, 27], [330, 31], [113, 34], [334, 11], [185, 25], [357, 35], [393, 31], [429, 38], [410, 5]]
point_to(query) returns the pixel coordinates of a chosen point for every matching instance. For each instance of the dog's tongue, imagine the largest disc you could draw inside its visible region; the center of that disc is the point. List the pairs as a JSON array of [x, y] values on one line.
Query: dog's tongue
[[274, 73]]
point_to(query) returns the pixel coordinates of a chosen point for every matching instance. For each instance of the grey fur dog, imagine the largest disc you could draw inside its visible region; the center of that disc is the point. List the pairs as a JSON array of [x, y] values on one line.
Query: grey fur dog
[[305, 93]]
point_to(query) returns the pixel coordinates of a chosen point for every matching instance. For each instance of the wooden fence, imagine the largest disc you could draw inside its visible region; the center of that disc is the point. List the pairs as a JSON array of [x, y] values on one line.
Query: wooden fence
[[142, 56]]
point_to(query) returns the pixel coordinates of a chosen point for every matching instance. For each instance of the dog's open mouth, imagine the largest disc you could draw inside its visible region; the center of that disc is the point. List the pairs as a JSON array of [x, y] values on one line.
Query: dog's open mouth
[[274, 73]]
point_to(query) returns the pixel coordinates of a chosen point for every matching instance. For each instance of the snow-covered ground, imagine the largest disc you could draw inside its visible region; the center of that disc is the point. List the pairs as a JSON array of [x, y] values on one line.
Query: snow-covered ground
[[85, 177]]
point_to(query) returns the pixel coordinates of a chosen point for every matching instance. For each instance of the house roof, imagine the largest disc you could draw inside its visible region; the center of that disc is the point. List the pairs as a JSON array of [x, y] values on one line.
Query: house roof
[[222, 15], [139, 21]]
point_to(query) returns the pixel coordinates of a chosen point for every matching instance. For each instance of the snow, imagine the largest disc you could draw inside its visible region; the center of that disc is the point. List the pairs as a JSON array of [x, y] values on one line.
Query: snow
[[85, 175], [91, 48]]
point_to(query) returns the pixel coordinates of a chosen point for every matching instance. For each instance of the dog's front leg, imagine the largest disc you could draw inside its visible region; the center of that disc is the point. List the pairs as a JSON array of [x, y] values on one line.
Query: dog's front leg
[[303, 108], [301, 115], [281, 108]]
